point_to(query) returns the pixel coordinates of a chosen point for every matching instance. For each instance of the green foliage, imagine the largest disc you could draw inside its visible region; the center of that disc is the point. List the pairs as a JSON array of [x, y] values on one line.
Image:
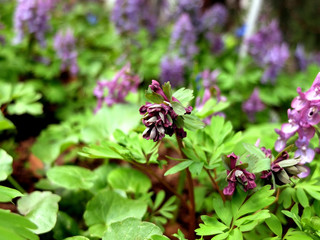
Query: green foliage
[[129, 180], [7, 194], [237, 216], [41, 208], [132, 228], [16, 227], [108, 207], [71, 177], [5, 165], [184, 96]]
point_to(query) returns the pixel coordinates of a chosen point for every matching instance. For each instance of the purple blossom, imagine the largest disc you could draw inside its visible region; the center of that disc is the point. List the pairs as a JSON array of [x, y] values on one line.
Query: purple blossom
[[268, 50], [160, 118], [32, 16], [193, 9], [283, 168], [118, 88], [65, 46], [172, 70], [214, 18], [300, 56], [211, 91], [130, 15], [184, 37], [302, 120], [253, 105], [237, 174]]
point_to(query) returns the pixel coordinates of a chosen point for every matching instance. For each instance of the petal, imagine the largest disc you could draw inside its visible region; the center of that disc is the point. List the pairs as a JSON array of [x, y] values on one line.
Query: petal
[[229, 190]]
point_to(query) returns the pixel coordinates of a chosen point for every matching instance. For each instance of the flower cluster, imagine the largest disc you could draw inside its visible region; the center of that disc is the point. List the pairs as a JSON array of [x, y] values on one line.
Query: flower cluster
[[303, 118], [65, 46], [215, 17], [238, 174], [211, 90], [32, 16], [172, 70], [160, 118], [129, 15], [282, 168], [118, 88], [253, 105], [269, 51], [184, 37], [192, 8]]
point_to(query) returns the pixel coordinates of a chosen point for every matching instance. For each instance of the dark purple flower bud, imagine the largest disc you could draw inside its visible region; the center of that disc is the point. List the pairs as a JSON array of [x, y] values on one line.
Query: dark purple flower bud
[[172, 70], [32, 16], [238, 175], [253, 105], [65, 46]]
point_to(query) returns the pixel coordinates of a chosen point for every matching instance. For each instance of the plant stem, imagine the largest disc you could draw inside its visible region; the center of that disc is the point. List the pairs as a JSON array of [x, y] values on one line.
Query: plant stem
[[15, 184], [162, 181], [192, 210], [216, 186]]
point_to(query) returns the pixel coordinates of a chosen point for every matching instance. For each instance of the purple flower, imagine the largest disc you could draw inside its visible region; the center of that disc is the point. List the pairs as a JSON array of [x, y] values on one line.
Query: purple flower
[[302, 119], [118, 88], [65, 46], [253, 105], [172, 70], [184, 37], [216, 42], [32, 16], [160, 118], [283, 168], [214, 18], [193, 9], [237, 174], [268, 50], [301, 57]]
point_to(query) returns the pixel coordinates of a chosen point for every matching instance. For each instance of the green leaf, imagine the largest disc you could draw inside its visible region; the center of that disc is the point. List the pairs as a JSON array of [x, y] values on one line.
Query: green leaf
[[167, 90], [66, 226], [77, 238], [25, 107], [178, 108], [5, 123], [192, 122], [257, 201], [179, 167], [293, 234], [184, 96], [235, 234], [302, 197], [7, 194], [108, 207], [5, 165], [294, 217], [131, 228], [129, 180], [274, 224], [153, 97], [40, 208], [223, 210], [71, 177], [16, 227], [211, 226]]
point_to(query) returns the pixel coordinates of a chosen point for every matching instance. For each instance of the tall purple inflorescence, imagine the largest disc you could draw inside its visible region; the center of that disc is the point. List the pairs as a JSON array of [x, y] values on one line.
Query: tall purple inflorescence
[[192, 8], [65, 46], [172, 70], [118, 88], [269, 51], [32, 16], [303, 119], [184, 37], [253, 105], [130, 15]]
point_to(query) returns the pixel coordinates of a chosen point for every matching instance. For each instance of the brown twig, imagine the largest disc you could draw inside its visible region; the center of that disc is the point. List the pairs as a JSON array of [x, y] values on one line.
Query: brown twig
[[216, 186]]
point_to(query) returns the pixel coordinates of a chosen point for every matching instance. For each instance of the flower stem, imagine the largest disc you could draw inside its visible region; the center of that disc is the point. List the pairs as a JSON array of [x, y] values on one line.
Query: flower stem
[[15, 184], [216, 186], [192, 210]]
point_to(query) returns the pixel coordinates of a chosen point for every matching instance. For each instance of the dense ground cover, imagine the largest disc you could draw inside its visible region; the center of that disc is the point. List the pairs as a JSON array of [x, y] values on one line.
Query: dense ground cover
[[138, 119]]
